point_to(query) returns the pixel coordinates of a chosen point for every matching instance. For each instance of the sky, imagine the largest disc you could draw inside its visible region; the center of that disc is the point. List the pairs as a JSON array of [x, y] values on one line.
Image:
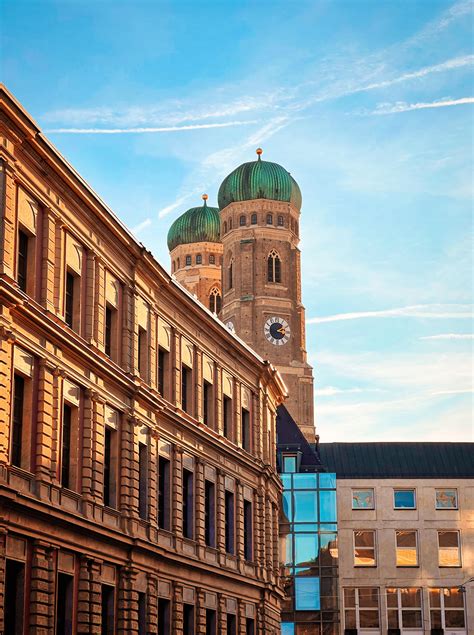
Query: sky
[[369, 105]]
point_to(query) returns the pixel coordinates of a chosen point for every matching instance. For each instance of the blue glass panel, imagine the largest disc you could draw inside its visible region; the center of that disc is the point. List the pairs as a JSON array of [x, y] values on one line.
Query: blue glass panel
[[306, 549], [286, 480], [288, 549], [287, 628], [404, 498], [287, 505], [307, 594], [305, 527], [327, 506], [327, 480], [329, 527], [305, 481], [289, 463], [306, 507]]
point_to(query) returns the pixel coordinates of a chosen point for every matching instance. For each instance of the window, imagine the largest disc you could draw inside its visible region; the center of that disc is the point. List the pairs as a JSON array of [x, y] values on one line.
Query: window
[[210, 513], [210, 622], [143, 480], [249, 626], [188, 504], [363, 499], [449, 551], [245, 431], [22, 277], [229, 522], [188, 619], [70, 299], [199, 259], [212, 259], [66, 447], [230, 223], [307, 596], [242, 221], [231, 274], [110, 467], [207, 404], [110, 335], [404, 499], [231, 624], [142, 616], [273, 267], [225, 227], [404, 608], [407, 554], [281, 222], [164, 498], [163, 371], [64, 604], [215, 300], [178, 263], [248, 530], [164, 616], [447, 608], [142, 353], [361, 608], [253, 219], [188, 261], [227, 413], [14, 596], [17, 419], [269, 219], [186, 389], [446, 499], [364, 549], [108, 610], [289, 463]]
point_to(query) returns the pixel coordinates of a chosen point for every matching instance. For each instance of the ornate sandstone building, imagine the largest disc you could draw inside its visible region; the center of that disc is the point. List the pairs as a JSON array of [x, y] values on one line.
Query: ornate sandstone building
[[138, 484]]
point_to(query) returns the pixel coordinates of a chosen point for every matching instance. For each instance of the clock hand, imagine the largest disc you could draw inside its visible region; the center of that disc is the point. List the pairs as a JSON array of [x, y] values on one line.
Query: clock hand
[[281, 330]]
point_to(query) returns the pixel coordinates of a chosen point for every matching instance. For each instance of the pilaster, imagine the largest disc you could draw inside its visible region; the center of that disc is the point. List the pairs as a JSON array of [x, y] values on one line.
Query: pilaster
[[177, 493], [7, 339], [48, 277], [7, 219], [42, 589]]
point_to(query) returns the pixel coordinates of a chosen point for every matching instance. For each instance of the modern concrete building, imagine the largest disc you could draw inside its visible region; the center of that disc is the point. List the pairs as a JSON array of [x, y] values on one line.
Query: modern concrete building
[[138, 484]]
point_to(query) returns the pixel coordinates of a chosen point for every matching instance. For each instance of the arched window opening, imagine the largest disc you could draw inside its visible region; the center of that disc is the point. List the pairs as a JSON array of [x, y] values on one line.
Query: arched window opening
[[243, 221], [253, 219], [199, 259], [281, 222], [225, 227], [178, 264], [273, 267], [215, 300], [269, 219], [231, 274], [188, 261], [296, 228], [292, 224], [230, 224], [212, 259]]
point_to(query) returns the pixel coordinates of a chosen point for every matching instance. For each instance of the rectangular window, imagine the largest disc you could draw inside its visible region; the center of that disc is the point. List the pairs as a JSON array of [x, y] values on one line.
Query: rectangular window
[[447, 608], [14, 596], [66, 447], [186, 389], [404, 608], [164, 616], [188, 619], [227, 413], [164, 498], [110, 335], [361, 608], [245, 432], [231, 624], [249, 626], [446, 498], [188, 504], [207, 404], [307, 594], [364, 549], [17, 419], [143, 480], [70, 300], [142, 353], [407, 552], [449, 549], [289, 463], [142, 616], [363, 499], [64, 604], [210, 622], [163, 371], [210, 513], [110, 467], [22, 277], [404, 499], [108, 610], [229, 522], [248, 530]]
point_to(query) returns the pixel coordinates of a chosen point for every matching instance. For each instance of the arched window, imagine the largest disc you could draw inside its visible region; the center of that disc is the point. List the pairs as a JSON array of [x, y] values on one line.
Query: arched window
[[242, 221], [253, 219], [230, 224], [296, 228], [212, 259], [225, 227], [269, 219], [231, 274], [215, 300], [188, 261], [199, 259], [178, 264], [273, 267], [281, 222]]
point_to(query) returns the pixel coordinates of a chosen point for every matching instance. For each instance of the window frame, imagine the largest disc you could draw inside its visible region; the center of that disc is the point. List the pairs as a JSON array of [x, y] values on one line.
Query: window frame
[[450, 566], [397, 548], [400, 609], [363, 489], [442, 607], [441, 489], [405, 489], [357, 607], [364, 566]]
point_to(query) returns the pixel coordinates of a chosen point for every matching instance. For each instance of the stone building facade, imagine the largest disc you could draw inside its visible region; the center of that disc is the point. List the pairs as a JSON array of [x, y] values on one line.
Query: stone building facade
[[138, 486]]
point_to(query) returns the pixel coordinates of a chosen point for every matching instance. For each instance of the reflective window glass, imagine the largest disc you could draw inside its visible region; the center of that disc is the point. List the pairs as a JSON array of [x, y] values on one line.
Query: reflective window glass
[[406, 550], [327, 480], [306, 549], [286, 480], [448, 551], [287, 628], [327, 506], [446, 499], [307, 594], [305, 527], [287, 505], [328, 549], [404, 499], [305, 507], [305, 481], [289, 463], [363, 499]]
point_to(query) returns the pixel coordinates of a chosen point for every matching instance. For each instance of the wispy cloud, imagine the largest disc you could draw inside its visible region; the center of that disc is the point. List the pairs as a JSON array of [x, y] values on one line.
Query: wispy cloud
[[203, 126], [330, 391], [459, 391], [435, 311], [141, 226], [449, 336], [403, 106]]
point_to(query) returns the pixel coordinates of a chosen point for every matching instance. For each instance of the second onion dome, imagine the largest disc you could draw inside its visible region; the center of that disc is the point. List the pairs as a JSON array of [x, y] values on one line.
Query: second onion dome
[[196, 225]]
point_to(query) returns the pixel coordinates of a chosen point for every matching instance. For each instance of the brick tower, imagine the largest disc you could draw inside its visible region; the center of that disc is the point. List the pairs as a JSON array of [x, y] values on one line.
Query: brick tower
[[261, 275]]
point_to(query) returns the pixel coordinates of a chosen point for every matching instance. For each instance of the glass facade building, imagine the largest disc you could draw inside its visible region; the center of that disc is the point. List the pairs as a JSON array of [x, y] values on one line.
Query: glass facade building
[[308, 531]]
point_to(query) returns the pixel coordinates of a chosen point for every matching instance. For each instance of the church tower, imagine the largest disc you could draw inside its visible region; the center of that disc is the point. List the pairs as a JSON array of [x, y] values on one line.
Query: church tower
[[260, 206], [196, 253]]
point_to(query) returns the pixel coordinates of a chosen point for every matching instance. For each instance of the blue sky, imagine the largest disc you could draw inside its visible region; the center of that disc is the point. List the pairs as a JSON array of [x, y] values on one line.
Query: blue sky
[[367, 103]]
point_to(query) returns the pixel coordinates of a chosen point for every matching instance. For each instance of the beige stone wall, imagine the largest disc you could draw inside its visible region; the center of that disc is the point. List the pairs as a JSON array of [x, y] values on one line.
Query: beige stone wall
[[105, 368], [426, 520]]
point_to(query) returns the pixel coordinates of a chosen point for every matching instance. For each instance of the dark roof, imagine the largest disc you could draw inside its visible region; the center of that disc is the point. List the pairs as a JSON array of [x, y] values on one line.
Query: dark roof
[[290, 438], [398, 460]]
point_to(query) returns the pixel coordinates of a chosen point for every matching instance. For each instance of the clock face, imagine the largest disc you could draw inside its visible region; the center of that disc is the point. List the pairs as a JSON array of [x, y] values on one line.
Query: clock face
[[277, 331]]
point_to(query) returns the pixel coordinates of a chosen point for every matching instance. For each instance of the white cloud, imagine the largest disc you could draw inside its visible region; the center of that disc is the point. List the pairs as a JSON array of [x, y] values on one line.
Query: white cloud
[[460, 391], [430, 311], [203, 126], [143, 225], [330, 391], [449, 336], [402, 106]]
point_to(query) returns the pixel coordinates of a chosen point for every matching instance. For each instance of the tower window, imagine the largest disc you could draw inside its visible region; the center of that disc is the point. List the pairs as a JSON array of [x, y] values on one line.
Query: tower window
[[199, 259], [281, 222], [212, 259], [215, 300], [188, 261], [242, 221], [178, 265], [253, 219], [230, 224], [225, 227], [273, 267], [231, 274], [269, 219]]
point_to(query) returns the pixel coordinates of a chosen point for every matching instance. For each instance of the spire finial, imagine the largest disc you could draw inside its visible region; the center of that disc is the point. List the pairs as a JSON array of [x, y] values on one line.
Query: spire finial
[[204, 198], [259, 152]]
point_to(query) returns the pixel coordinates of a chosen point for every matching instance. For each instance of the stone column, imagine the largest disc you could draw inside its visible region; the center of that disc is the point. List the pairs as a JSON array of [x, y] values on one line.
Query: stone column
[[218, 422], [127, 505], [127, 602], [7, 338], [152, 603], [200, 613], [87, 469], [176, 368], [177, 610], [220, 510], [7, 219], [153, 345], [199, 502], [89, 599], [153, 478], [239, 521], [48, 277], [221, 614], [268, 536], [98, 447], [128, 329], [177, 491], [259, 530], [92, 312], [198, 381], [42, 589], [45, 450]]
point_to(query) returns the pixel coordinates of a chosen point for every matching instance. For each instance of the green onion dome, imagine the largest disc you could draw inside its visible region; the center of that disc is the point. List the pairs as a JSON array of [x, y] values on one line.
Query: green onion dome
[[259, 179], [197, 225]]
